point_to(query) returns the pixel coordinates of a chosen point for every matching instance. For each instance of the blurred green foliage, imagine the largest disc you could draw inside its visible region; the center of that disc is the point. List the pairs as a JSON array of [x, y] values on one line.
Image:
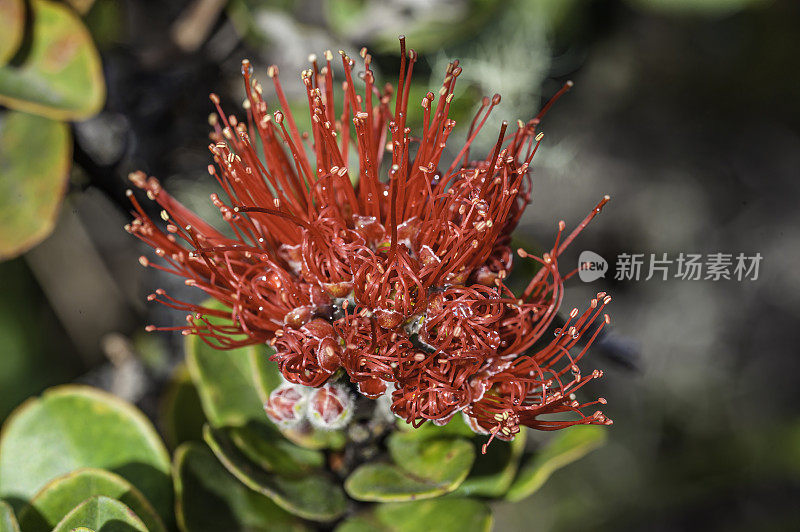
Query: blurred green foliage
[[29, 360], [58, 74], [50, 69], [35, 157]]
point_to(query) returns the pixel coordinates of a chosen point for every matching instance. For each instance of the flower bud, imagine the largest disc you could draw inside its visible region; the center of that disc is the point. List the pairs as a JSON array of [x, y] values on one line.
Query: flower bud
[[287, 404], [372, 388], [330, 407], [388, 319]]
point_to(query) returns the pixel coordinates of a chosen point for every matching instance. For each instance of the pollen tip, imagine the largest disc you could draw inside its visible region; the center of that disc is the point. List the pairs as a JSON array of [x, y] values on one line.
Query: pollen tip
[[539, 137], [129, 192], [150, 328], [214, 98]]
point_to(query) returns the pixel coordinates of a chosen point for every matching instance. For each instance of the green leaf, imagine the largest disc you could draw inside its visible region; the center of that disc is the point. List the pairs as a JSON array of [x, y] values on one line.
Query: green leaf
[[101, 513], [442, 515], [312, 438], [493, 472], [208, 498], [181, 413], [272, 452], [72, 427], [35, 156], [439, 460], [378, 482], [12, 26], [60, 496], [60, 76], [455, 427], [8, 521], [568, 446], [427, 466], [266, 375], [313, 497], [224, 381]]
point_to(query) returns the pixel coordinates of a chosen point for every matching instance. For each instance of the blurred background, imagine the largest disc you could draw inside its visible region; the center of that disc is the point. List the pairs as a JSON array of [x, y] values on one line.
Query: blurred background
[[687, 112]]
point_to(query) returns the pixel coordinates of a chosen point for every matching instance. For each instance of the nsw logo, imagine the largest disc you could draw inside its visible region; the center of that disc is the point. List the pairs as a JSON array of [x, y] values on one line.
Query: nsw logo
[[591, 266]]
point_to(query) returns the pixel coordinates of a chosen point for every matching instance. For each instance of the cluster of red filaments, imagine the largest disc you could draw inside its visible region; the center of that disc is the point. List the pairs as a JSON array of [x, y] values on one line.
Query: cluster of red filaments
[[390, 269]]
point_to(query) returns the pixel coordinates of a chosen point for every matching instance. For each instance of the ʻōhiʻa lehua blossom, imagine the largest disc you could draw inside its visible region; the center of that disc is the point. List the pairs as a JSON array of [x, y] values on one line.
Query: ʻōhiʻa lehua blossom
[[390, 270]]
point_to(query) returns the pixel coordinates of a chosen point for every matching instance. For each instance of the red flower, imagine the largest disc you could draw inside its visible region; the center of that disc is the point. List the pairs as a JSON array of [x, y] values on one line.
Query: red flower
[[393, 270]]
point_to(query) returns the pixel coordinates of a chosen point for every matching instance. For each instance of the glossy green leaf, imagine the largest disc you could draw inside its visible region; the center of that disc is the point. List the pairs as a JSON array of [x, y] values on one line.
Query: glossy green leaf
[[493, 472], [265, 373], [60, 496], [425, 467], [101, 513], [224, 381], [436, 459], [313, 497], [312, 438], [566, 447], [272, 452], [209, 498], [8, 521], [35, 158], [181, 414], [60, 75], [442, 515], [12, 27], [455, 427], [379, 482], [72, 427]]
